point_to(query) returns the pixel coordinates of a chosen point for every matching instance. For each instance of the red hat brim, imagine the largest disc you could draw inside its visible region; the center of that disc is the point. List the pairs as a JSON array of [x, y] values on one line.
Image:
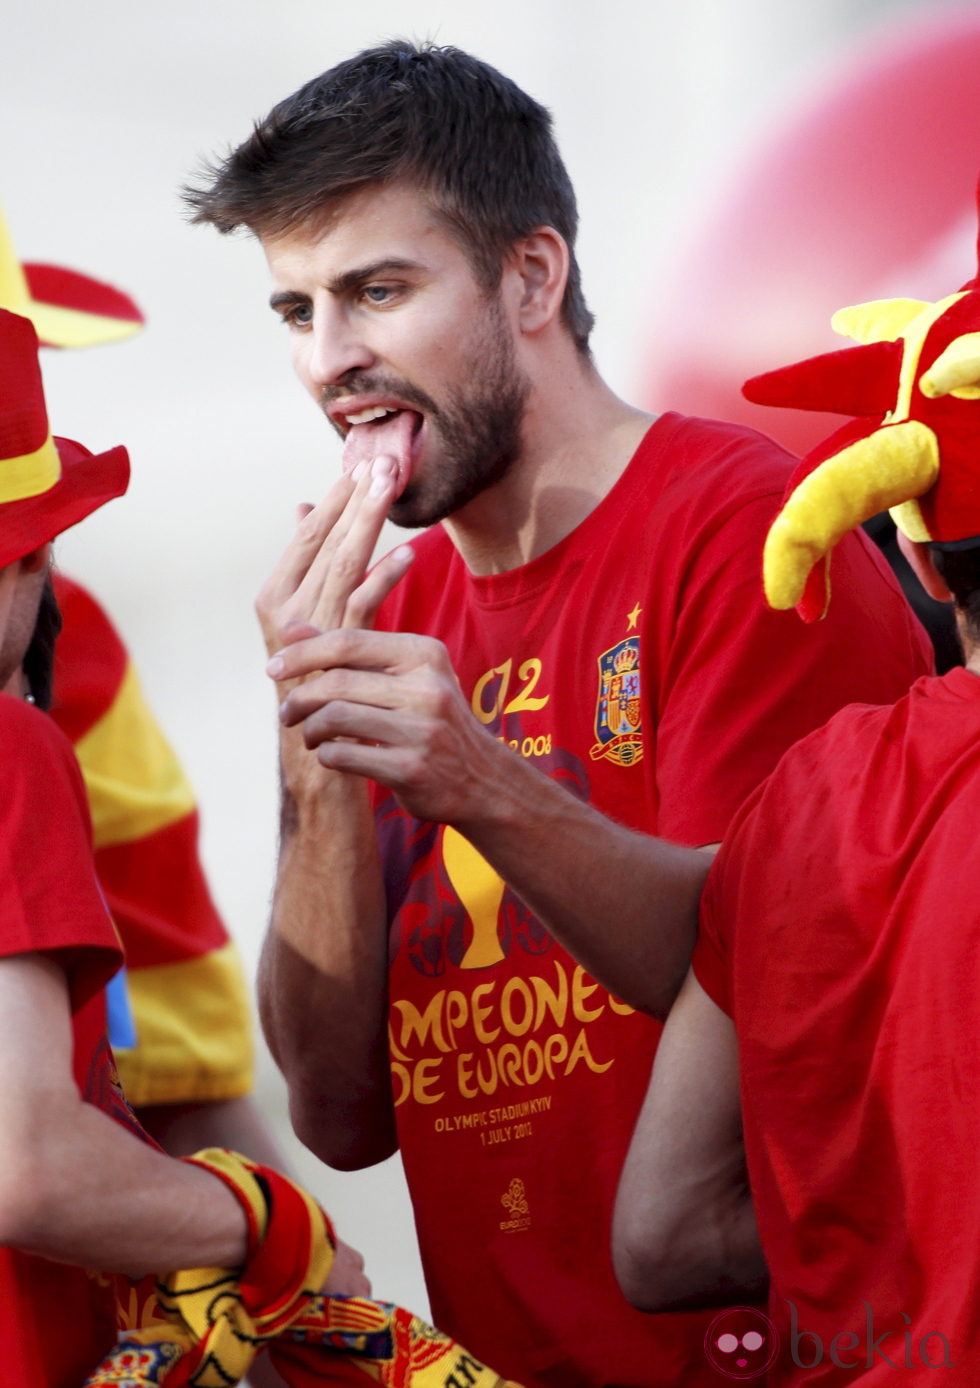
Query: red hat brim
[[88, 480]]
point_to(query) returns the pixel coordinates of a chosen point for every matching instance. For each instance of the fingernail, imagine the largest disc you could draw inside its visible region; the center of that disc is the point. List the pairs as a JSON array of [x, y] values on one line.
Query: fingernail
[[359, 470], [380, 483], [403, 554], [275, 666]]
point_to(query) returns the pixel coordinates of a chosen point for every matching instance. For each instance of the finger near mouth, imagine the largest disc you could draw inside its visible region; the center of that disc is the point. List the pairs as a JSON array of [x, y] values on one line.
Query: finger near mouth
[[396, 434]]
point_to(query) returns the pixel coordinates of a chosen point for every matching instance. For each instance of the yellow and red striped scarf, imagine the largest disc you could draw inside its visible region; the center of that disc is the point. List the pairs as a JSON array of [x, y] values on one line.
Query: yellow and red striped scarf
[[217, 1319]]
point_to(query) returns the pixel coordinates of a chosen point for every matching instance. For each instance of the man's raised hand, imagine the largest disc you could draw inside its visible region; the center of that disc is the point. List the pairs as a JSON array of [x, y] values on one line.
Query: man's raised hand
[[322, 579], [387, 705]]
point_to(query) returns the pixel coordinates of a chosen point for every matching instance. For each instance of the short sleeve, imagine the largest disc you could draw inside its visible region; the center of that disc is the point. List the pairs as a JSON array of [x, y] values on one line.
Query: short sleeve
[[711, 960], [743, 683], [50, 900]]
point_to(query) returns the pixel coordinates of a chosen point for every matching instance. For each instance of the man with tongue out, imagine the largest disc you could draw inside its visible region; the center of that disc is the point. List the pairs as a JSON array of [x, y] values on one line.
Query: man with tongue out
[[474, 929]]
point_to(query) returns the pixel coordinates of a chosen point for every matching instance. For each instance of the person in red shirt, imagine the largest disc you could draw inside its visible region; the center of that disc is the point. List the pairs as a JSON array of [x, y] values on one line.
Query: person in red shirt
[[82, 1186], [812, 1107], [185, 1053], [79, 1182], [576, 657]]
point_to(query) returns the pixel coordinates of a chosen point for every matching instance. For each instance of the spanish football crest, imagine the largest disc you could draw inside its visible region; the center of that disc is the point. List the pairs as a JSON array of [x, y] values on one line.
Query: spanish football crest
[[618, 716]]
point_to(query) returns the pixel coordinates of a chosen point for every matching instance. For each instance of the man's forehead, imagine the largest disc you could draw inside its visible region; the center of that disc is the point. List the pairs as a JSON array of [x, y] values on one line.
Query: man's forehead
[[393, 220]]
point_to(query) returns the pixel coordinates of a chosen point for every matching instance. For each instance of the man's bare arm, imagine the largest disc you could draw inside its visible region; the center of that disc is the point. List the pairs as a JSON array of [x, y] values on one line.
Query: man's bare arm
[[388, 706], [74, 1184], [323, 973], [684, 1232], [323, 976], [183, 1129]]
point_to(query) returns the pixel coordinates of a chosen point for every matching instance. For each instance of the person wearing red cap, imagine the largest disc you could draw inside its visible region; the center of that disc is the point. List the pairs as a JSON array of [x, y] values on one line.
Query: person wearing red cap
[[82, 1186], [577, 657], [832, 1013], [182, 1029], [79, 1182], [178, 1012]]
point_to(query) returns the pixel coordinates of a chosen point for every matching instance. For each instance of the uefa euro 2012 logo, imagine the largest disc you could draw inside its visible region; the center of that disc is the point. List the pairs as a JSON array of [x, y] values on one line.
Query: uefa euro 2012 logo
[[514, 1200]]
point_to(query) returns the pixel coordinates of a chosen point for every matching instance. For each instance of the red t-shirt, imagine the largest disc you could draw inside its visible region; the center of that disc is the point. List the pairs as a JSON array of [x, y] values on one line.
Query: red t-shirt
[[57, 1320], [841, 931], [637, 663]]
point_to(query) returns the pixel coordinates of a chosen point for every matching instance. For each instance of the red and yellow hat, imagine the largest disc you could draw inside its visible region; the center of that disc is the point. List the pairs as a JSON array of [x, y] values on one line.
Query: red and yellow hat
[[67, 308], [46, 485], [913, 385]]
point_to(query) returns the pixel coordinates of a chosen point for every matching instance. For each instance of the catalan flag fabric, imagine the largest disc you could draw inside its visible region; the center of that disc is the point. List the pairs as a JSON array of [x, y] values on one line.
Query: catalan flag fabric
[[187, 992], [218, 1319]]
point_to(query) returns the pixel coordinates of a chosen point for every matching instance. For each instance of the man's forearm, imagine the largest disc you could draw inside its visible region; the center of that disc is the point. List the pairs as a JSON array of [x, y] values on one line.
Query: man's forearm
[[323, 974], [684, 1231], [624, 904], [84, 1190], [75, 1185], [388, 706], [708, 1256]]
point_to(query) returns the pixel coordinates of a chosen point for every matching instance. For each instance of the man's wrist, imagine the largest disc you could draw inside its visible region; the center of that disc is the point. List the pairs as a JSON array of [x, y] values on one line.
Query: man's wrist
[[503, 787]]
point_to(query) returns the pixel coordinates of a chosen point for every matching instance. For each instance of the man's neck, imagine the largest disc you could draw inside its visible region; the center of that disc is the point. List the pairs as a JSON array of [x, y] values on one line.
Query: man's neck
[[578, 438]]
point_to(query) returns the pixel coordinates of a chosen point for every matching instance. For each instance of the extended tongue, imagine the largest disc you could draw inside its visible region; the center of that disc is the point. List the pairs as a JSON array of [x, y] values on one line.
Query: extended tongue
[[391, 436]]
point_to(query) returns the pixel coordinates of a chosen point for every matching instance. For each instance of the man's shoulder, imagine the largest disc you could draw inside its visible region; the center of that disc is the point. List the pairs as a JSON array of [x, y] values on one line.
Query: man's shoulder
[[818, 772], [774, 833], [21, 719], [869, 794], [30, 739], [696, 454], [693, 476], [40, 775]]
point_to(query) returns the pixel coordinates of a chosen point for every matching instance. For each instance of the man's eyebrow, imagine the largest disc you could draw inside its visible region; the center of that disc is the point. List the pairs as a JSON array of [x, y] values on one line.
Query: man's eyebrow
[[287, 298], [349, 279]]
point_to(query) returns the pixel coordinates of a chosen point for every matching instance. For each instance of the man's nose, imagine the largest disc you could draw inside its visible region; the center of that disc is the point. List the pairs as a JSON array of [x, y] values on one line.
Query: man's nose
[[336, 349]]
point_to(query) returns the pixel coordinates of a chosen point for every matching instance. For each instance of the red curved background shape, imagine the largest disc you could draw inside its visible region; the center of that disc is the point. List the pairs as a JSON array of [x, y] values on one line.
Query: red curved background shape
[[867, 191]]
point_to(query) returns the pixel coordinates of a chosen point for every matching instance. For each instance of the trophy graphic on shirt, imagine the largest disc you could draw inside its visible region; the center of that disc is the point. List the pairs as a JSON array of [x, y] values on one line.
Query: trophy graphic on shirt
[[481, 891]]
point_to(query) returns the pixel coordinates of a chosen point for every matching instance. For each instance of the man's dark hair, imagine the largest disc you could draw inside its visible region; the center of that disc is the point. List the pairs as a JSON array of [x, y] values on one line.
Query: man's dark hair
[[468, 137], [38, 662], [960, 571]]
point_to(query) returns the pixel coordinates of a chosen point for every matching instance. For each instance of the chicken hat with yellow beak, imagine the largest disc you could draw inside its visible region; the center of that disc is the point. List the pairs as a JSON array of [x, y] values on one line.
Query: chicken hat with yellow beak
[[914, 384]]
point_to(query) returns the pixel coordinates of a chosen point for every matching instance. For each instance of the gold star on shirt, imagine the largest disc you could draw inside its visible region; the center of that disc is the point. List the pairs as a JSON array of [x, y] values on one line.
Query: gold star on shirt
[[631, 617]]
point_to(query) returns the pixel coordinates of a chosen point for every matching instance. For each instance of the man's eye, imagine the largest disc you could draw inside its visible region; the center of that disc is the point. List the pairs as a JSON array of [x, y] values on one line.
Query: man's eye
[[298, 316], [377, 293]]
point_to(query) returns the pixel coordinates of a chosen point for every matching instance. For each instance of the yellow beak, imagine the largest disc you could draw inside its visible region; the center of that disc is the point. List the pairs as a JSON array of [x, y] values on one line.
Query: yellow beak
[[890, 466]]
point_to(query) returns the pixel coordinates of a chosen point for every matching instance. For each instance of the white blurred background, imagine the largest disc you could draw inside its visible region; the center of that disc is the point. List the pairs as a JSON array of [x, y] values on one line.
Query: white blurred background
[[107, 107]]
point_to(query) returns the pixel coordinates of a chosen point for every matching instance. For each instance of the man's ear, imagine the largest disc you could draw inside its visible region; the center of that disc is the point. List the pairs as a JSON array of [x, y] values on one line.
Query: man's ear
[[921, 563], [540, 260]]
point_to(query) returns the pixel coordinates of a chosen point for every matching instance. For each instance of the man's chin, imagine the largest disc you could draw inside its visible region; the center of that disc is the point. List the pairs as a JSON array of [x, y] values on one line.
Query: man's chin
[[412, 511]]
